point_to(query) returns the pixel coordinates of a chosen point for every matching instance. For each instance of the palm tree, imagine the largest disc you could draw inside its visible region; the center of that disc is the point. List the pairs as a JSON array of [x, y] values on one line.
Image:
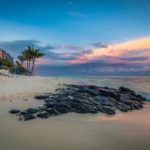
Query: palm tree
[[35, 54], [24, 56], [30, 55]]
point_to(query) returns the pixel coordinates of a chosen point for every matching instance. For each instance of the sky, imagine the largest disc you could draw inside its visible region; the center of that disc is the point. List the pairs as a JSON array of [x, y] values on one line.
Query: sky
[[80, 37]]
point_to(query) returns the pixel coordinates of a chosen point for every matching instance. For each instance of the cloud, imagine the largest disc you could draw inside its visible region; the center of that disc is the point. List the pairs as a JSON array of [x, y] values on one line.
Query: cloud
[[135, 59], [53, 54], [70, 52], [124, 58], [16, 46], [99, 45], [66, 56], [44, 61], [134, 48], [72, 47]]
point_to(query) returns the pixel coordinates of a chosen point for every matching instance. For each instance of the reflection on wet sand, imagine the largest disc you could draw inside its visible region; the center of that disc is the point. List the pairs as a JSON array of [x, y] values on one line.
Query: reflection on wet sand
[[75, 131]]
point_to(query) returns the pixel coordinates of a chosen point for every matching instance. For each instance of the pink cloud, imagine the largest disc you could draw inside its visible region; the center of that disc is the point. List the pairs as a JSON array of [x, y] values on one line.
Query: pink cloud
[[43, 61], [137, 47]]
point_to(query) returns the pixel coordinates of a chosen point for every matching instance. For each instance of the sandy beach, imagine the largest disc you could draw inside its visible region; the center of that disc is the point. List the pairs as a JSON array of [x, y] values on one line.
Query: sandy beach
[[23, 87], [69, 131]]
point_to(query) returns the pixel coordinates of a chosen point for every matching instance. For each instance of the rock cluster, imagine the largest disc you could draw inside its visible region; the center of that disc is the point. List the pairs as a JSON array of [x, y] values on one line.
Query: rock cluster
[[83, 99]]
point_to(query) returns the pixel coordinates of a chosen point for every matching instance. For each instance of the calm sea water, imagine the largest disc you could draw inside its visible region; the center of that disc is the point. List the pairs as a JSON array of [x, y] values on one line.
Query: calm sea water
[[140, 84]]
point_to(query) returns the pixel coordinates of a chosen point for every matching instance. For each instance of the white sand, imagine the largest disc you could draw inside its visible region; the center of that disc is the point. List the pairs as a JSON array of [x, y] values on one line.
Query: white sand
[[24, 87]]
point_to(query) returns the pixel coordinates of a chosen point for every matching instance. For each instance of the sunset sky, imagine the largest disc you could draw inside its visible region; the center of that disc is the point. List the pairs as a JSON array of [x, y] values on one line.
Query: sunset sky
[[80, 37]]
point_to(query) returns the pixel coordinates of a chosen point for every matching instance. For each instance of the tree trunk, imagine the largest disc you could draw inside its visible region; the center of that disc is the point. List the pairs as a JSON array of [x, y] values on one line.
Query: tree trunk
[[27, 68], [33, 66], [30, 66]]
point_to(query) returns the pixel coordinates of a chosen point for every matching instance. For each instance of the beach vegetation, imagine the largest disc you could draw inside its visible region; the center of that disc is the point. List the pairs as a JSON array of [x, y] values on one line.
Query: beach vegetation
[[6, 64], [30, 55]]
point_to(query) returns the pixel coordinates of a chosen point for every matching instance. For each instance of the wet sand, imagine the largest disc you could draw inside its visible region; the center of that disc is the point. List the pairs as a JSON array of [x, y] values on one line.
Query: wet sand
[[74, 131]]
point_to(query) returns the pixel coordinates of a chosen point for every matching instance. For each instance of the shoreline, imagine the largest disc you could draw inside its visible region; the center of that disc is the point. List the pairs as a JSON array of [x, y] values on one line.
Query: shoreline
[[24, 87]]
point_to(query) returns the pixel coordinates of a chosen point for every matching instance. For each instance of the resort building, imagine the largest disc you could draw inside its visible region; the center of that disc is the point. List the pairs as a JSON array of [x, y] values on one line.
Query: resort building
[[5, 55]]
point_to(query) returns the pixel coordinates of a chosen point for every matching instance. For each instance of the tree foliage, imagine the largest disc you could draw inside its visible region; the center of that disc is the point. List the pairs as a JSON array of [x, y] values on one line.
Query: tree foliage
[[29, 56]]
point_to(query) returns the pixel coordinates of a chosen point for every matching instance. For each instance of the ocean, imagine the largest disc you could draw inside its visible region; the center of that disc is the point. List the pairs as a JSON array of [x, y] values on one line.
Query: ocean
[[140, 84]]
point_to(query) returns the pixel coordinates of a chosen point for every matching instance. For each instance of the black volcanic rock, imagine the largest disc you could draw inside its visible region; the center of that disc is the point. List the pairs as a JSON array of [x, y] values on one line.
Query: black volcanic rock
[[43, 115], [84, 99], [126, 90], [41, 97], [32, 110], [14, 111], [28, 117], [109, 110]]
